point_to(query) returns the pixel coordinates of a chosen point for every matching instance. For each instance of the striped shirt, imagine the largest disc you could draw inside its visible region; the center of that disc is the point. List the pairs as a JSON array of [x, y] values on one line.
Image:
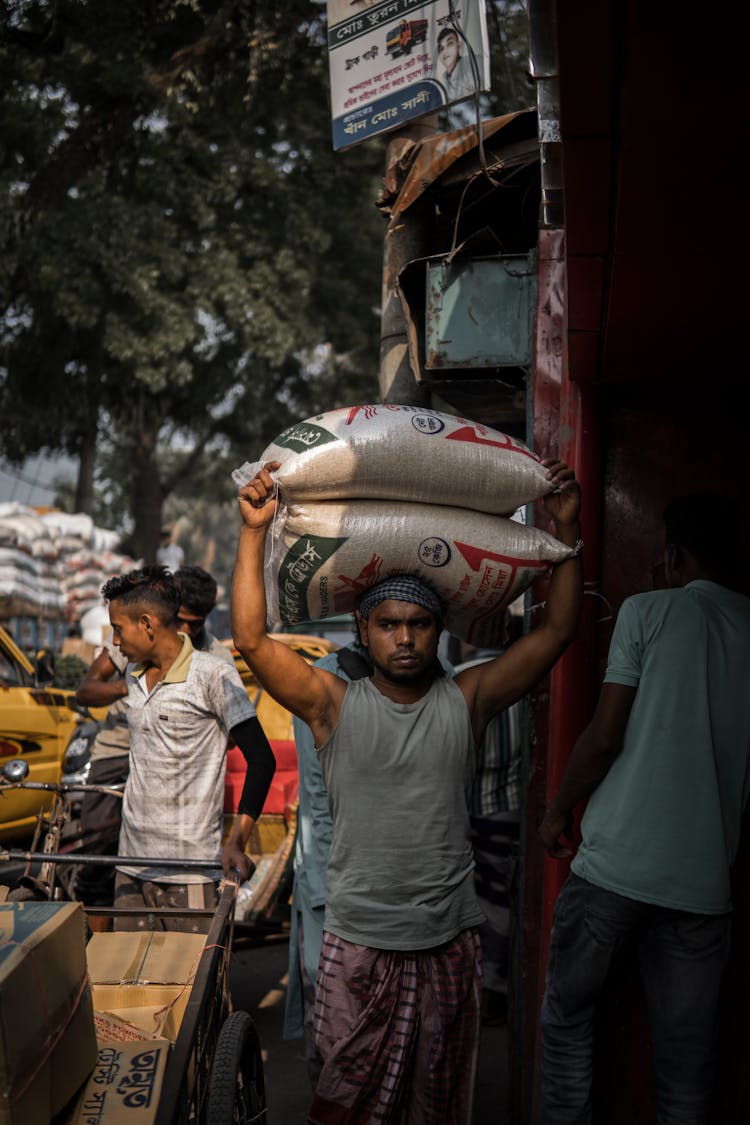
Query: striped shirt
[[174, 796]]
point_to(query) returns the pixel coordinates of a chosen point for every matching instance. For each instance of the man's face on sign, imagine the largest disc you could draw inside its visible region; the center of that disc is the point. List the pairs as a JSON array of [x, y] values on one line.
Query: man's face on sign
[[449, 52]]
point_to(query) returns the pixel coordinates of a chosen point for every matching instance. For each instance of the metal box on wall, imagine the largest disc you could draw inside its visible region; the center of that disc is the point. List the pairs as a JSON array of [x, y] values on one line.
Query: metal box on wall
[[479, 312]]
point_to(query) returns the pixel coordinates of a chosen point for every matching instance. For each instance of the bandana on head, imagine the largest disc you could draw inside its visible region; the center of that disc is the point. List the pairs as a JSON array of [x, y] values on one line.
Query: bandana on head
[[401, 588]]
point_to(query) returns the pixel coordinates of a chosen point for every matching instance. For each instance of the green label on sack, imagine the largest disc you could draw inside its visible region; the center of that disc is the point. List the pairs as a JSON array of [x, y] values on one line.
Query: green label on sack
[[304, 436], [296, 572]]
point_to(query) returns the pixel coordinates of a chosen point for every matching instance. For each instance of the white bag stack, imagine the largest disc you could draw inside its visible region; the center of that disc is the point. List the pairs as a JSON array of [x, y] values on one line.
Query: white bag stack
[[373, 491], [403, 453]]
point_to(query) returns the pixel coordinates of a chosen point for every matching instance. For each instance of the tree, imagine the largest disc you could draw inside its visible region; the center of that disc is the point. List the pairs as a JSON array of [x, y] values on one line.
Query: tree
[[187, 265], [179, 237]]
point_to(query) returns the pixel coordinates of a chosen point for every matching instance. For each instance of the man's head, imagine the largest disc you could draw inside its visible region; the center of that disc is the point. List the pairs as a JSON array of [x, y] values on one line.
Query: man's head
[[143, 606], [400, 620], [702, 538], [449, 48], [197, 591]]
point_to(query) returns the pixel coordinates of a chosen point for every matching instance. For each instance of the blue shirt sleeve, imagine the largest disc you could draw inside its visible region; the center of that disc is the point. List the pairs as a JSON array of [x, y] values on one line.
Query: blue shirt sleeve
[[624, 664]]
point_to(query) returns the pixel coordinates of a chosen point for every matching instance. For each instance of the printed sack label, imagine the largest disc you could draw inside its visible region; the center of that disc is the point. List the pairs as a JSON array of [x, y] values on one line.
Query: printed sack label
[[321, 557]]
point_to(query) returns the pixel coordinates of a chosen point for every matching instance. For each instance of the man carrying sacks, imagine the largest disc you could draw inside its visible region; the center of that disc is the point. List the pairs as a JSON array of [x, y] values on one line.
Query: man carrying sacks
[[399, 984]]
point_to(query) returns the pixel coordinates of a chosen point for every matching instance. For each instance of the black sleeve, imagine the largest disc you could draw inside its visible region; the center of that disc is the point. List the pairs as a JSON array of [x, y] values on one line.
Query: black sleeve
[[261, 765]]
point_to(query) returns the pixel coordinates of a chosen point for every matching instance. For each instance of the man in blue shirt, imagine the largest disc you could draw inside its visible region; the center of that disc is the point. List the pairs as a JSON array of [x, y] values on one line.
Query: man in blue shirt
[[665, 763], [310, 858]]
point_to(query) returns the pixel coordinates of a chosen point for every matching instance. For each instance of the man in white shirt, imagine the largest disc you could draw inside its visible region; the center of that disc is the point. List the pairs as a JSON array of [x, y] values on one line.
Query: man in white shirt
[[456, 74], [183, 705]]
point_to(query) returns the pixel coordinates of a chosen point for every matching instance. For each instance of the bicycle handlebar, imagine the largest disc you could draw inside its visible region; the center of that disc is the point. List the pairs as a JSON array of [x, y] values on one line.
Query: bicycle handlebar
[[62, 787]]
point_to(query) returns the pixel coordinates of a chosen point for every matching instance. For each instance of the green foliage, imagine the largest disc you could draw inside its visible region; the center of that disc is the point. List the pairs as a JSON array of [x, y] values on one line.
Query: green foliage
[[186, 265], [178, 239], [69, 671]]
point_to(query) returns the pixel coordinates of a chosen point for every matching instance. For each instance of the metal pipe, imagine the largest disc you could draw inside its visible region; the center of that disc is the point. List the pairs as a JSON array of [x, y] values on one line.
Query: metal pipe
[[110, 860]]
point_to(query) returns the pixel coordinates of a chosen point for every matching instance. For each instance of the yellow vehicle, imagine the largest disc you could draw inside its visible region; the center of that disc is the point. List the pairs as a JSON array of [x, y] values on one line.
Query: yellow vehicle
[[36, 721]]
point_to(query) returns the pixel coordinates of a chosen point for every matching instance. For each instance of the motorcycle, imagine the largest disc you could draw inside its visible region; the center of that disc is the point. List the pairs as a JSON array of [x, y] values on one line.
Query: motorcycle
[[76, 762]]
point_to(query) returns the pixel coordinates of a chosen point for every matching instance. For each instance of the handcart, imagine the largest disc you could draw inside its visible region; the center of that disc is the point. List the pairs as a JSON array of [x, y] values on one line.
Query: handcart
[[214, 1073]]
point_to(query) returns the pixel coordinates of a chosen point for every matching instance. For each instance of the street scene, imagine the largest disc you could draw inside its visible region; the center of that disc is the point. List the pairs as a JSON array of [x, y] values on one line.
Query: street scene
[[374, 556]]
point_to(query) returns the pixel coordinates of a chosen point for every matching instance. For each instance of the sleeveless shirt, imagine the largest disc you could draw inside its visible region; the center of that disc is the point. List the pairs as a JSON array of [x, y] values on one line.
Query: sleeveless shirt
[[399, 776]]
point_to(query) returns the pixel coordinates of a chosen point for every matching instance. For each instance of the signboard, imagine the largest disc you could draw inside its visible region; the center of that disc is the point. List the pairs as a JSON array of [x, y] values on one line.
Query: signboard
[[395, 60]]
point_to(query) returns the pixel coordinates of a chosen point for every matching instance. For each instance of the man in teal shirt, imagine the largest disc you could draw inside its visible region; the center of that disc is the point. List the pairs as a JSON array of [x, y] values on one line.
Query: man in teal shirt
[[666, 763]]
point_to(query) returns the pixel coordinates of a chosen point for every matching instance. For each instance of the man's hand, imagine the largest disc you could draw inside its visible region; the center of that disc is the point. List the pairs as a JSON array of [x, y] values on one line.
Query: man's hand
[[235, 858], [564, 504], [551, 829], [256, 499]]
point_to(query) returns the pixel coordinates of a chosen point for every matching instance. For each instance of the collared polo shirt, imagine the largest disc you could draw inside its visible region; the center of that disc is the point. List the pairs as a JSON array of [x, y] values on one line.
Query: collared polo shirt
[[174, 796]]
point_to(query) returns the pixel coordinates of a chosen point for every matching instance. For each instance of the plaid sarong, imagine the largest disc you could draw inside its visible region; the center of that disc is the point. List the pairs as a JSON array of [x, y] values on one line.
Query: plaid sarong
[[398, 1033]]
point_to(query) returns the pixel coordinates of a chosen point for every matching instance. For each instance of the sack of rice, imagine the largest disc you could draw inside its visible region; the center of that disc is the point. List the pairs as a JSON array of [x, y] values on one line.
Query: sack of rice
[[409, 453], [321, 557]]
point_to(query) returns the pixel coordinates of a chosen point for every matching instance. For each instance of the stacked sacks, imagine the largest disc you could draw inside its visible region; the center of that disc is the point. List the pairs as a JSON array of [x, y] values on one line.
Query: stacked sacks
[[29, 582], [371, 491], [84, 572], [53, 564], [86, 559]]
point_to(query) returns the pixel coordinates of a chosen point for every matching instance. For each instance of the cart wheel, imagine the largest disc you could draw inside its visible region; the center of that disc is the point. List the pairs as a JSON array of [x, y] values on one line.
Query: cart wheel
[[237, 1090]]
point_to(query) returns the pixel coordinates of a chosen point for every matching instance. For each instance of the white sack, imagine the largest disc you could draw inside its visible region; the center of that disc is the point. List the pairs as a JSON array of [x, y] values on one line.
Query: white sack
[[409, 453], [321, 557]]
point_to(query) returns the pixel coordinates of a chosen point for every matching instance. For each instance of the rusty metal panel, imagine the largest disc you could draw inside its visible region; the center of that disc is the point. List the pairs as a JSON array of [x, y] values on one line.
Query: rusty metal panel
[[479, 312], [419, 165]]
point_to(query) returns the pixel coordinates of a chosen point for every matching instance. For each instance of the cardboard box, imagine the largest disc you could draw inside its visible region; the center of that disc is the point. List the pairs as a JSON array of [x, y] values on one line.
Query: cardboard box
[[47, 1038], [144, 979], [125, 1084], [76, 646]]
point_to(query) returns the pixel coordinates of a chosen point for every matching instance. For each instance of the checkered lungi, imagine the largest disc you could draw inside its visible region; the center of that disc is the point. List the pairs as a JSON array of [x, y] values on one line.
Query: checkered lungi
[[398, 1033]]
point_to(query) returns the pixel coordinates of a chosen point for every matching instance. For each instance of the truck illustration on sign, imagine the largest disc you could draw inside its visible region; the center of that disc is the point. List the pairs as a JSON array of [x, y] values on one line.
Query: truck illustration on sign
[[404, 36]]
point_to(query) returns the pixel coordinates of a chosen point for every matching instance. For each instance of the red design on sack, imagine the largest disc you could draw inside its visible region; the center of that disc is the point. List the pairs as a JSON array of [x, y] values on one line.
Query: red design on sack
[[468, 434], [475, 556], [351, 588], [370, 412]]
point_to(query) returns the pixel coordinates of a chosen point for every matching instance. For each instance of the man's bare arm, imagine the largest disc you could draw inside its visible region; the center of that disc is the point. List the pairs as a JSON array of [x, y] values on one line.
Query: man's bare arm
[[310, 693], [491, 687], [102, 685]]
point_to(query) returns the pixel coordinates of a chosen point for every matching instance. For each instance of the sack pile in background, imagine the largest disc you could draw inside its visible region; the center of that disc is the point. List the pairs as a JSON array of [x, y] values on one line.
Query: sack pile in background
[[53, 564], [371, 491]]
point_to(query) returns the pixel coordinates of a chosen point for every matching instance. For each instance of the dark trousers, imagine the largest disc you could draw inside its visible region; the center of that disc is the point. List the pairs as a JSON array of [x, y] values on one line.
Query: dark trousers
[[101, 814], [682, 959]]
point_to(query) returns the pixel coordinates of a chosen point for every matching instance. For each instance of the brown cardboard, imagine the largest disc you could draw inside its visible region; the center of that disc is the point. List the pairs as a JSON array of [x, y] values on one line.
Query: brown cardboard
[[144, 958], [155, 1009], [113, 1028], [125, 1084], [47, 1039], [75, 646], [144, 978]]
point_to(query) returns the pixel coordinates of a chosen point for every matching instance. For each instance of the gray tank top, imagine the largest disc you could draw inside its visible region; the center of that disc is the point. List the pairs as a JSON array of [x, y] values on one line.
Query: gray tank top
[[400, 870]]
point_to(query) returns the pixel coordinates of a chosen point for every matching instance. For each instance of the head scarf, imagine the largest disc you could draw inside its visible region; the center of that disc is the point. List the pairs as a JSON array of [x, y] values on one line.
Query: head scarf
[[401, 588]]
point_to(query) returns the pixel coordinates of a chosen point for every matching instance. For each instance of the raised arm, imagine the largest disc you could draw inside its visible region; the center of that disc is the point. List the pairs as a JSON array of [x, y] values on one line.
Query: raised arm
[[491, 687], [311, 693], [101, 685]]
